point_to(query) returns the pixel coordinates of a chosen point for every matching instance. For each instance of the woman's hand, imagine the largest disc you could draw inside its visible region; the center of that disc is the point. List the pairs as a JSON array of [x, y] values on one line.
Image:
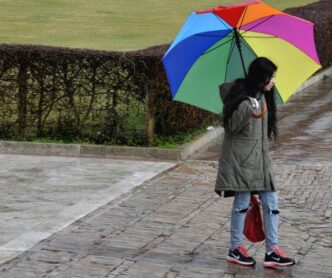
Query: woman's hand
[[261, 114]]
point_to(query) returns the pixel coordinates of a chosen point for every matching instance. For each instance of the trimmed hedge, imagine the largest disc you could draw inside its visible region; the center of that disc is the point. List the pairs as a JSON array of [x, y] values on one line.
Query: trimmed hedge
[[93, 96], [69, 94]]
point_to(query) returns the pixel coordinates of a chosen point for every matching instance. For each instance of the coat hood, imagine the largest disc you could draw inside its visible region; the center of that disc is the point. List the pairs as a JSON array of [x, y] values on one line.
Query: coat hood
[[224, 90]]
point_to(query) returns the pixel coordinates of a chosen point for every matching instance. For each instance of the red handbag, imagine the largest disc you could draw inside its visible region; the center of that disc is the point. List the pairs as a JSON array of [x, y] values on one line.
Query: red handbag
[[253, 223]]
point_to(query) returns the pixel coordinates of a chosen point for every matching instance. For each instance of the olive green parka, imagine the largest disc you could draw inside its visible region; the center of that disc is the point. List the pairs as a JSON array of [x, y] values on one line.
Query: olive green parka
[[245, 164]]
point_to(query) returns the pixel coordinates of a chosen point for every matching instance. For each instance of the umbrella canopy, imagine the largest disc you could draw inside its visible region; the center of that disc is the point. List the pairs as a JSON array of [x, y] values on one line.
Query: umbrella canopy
[[217, 45]]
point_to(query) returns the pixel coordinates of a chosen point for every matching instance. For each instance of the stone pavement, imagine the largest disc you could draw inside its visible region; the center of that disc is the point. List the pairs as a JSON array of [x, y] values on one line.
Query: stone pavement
[[41, 195], [173, 225]]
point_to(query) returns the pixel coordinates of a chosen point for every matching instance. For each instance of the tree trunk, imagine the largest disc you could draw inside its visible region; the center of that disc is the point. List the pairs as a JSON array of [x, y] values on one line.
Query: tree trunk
[[40, 109], [22, 98], [149, 119]]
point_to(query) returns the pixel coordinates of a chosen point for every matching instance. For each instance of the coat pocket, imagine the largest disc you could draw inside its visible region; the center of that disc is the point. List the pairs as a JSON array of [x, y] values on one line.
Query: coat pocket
[[251, 160], [247, 155]]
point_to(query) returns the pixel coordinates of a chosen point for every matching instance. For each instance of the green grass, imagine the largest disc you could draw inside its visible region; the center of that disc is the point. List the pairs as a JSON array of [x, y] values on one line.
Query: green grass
[[175, 141], [102, 24]]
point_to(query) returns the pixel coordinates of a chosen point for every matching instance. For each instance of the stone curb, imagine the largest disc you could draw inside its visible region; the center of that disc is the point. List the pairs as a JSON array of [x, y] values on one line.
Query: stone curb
[[322, 74], [98, 151]]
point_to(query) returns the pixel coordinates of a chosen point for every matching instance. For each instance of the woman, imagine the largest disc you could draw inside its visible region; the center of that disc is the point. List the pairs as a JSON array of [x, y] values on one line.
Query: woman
[[245, 165]]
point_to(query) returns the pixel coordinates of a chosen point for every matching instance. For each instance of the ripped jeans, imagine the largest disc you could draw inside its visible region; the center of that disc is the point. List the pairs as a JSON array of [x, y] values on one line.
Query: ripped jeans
[[269, 200]]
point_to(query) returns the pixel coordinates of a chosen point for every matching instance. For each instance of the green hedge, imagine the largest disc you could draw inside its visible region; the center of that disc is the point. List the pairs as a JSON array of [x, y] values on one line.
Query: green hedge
[[91, 96]]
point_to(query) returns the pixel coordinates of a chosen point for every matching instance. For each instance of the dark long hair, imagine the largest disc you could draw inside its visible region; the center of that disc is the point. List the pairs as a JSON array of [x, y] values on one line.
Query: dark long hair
[[260, 73]]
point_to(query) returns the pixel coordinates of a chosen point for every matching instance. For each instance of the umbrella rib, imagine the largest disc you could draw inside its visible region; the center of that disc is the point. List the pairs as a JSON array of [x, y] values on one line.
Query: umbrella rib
[[260, 37], [231, 51], [214, 48], [244, 14], [252, 27], [205, 35]]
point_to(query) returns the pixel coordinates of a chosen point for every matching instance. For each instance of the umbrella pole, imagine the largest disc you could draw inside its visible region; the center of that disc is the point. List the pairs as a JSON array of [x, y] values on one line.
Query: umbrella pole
[[238, 44]]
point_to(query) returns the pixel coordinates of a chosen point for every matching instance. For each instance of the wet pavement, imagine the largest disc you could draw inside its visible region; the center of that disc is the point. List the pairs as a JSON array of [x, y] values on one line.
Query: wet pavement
[[306, 126], [173, 225], [41, 195]]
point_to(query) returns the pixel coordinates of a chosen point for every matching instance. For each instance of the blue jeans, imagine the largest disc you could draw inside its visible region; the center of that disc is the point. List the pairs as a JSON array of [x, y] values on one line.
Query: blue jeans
[[269, 201]]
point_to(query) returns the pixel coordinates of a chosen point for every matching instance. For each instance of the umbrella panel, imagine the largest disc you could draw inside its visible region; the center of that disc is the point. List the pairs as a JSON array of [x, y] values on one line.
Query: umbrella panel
[[255, 12], [294, 66], [234, 66], [296, 31], [179, 61], [220, 63], [207, 73], [197, 34]]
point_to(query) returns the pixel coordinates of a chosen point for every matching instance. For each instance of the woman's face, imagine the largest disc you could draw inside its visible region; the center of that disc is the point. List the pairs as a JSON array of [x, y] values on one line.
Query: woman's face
[[269, 85]]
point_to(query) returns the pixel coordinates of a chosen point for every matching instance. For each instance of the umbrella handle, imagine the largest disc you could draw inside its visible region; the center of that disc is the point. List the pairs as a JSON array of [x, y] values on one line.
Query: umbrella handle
[[261, 114]]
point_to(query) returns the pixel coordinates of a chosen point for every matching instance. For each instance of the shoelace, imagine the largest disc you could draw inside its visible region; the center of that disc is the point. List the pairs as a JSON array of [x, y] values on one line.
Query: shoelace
[[243, 251], [279, 252]]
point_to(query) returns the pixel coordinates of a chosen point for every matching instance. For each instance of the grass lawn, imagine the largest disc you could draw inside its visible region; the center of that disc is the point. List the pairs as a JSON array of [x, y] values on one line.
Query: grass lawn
[[102, 24]]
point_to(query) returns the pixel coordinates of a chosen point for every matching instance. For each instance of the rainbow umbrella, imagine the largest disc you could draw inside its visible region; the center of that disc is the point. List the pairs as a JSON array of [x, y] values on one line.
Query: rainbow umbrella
[[217, 45]]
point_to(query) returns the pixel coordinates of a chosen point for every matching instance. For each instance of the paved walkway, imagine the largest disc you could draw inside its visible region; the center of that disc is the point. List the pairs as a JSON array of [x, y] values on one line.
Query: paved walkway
[[173, 225], [41, 195]]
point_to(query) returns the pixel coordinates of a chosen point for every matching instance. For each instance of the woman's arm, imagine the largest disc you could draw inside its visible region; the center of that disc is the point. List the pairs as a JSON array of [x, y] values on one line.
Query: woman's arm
[[240, 117]]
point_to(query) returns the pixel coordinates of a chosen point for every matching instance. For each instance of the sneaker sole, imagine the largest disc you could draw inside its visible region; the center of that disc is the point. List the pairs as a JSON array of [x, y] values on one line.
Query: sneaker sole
[[235, 261], [274, 264]]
